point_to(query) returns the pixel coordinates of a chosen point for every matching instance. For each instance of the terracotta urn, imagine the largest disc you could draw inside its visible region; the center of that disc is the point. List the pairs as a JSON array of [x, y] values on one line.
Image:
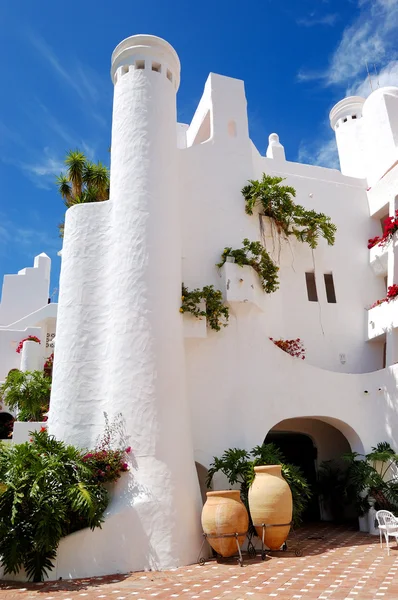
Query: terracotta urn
[[270, 502], [224, 513]]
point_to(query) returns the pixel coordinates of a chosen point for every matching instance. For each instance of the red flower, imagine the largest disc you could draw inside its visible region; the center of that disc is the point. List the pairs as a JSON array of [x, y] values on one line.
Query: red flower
[[43, 429], [30, 338], [128, 449]]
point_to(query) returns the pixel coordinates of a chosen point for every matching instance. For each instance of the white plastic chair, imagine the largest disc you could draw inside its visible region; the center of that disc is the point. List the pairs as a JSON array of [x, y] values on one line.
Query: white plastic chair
[[388, 526]]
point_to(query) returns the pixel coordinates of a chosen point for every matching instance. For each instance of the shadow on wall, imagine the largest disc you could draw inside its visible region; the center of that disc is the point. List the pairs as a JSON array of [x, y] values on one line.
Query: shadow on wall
[[202, 476]]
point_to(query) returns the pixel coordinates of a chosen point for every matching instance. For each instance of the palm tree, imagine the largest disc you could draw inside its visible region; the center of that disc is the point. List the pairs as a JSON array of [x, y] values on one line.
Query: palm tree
[[84, 181]]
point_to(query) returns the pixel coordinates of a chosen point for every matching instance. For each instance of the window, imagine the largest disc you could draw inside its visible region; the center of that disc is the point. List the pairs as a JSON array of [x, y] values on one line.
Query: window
[[156, 67], [330, 293], [311, 287], [140, 64]]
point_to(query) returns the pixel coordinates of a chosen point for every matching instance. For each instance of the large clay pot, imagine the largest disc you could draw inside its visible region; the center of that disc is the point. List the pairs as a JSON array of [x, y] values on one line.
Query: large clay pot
[[270, 502], [224, 513]]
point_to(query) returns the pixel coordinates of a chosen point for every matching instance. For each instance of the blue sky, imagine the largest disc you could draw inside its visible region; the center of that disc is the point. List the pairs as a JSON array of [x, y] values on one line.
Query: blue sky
[[297, 58]]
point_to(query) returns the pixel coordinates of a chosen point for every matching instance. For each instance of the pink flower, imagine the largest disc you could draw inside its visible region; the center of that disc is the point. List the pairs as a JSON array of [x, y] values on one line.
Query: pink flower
[[125, 466], [128, 449]]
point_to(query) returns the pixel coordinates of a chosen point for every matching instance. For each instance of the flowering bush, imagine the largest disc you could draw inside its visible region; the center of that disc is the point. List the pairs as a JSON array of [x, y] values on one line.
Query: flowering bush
[[392, 293], [390, 226], [105, 462], [107, 465], [48, 365], [30, 338], [293, 347]]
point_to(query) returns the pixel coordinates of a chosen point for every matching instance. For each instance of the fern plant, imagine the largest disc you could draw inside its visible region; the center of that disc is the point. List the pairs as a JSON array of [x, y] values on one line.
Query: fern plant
[[47, 491], [277, 202], [254, 255]]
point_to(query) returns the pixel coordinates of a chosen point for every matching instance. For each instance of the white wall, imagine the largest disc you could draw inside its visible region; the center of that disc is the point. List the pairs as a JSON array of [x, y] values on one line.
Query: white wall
[[25, 292]]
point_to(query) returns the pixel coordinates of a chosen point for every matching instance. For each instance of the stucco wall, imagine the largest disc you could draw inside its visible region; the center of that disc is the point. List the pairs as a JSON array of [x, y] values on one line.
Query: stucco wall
[[25, 292]]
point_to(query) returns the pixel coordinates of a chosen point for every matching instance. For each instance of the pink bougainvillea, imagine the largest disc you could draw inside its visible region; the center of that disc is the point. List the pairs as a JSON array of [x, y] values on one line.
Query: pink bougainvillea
[[293, 347], [30, 338], [390, 226], [392, 293]]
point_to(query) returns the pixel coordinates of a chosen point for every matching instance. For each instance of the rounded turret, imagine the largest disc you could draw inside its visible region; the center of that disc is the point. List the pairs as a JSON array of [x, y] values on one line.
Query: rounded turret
[[146, 52], [380, 113], [119, 321], [346, 121]]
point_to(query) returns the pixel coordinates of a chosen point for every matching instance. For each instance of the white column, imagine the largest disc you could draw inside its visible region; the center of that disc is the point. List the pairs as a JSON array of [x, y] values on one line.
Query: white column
[[31, 356]]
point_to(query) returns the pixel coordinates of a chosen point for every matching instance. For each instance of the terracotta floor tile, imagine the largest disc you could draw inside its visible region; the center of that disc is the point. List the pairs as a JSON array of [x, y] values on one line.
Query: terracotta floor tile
[[337, 563]]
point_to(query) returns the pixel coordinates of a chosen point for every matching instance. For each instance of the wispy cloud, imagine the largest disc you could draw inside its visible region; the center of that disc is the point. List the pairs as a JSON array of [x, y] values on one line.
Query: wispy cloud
[[49, 55], [322, 154], [27, 239], [80, 78], [312, 20], [370, 38], [387, 76]]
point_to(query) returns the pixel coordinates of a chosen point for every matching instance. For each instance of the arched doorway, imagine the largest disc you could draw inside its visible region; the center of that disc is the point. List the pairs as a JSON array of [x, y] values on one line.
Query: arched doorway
[[307, 442], [6, 425], [299, 450]]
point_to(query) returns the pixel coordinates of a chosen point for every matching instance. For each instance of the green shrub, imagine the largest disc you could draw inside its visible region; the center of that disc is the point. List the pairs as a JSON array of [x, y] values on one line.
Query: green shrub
[[216, 312], [47, 491], [28, 393], [276, 202]]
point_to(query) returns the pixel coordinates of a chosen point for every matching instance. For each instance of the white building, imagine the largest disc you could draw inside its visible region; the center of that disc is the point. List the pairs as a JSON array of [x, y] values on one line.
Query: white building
[[186, 392]]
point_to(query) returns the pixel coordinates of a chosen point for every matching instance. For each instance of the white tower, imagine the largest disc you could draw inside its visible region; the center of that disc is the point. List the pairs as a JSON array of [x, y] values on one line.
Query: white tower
[[124, 292], [346, 121]]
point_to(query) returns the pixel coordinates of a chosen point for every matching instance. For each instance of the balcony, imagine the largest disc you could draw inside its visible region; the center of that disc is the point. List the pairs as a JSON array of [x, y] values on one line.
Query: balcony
[[242, 286], [381, 319], [378, 258]]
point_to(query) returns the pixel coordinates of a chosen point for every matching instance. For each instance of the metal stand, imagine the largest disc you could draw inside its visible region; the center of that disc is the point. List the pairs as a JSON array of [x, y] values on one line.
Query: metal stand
[[297, 551], [202, 560]]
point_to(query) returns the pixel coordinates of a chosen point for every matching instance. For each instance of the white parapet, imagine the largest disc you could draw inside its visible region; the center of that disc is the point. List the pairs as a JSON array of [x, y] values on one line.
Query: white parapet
[[25, 292], [382, 319]]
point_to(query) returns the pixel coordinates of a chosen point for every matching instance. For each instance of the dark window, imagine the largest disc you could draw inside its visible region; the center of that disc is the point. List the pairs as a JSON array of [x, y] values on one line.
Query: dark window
[[330, 293], [311, 287]]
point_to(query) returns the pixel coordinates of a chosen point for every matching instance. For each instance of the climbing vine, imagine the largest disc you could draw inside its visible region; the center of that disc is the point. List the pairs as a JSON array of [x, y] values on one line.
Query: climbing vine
[[216, 312], [255, 255], [276, 202]]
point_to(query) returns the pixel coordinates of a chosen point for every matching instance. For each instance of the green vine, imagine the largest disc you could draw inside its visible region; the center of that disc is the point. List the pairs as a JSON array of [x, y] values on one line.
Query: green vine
[[276, 201], [216, 312], [254, 255]]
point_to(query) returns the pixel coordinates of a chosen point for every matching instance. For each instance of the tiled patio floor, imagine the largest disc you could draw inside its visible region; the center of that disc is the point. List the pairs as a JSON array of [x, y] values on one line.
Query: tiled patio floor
[[336, 563]]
